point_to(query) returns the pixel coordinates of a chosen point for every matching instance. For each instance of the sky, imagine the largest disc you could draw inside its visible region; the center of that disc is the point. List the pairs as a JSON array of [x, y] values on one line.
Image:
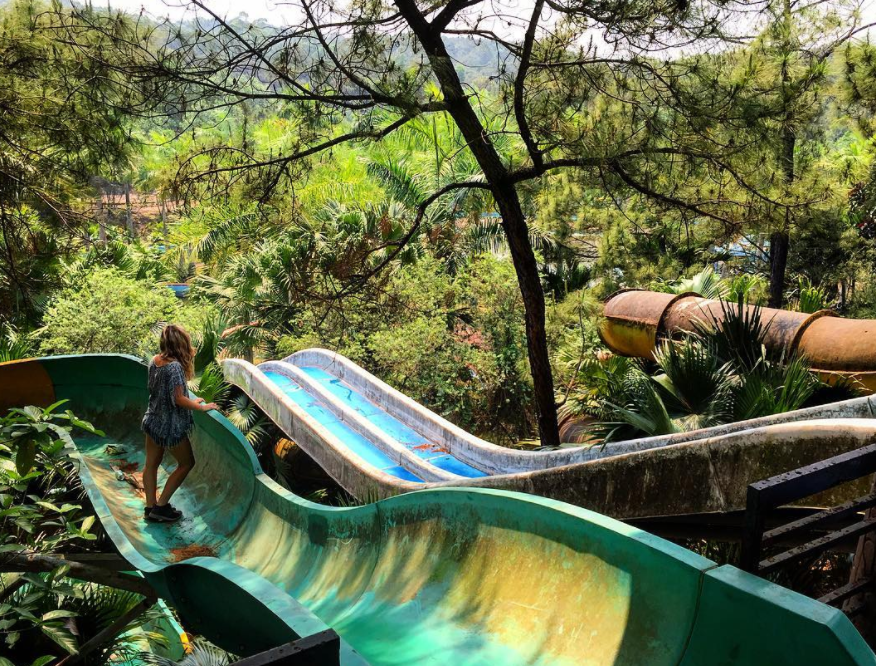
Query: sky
[[284, 12], [275, 11]]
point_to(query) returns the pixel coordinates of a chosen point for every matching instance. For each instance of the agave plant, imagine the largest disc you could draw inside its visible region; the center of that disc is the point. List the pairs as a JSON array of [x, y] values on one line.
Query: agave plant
[[707, 283]]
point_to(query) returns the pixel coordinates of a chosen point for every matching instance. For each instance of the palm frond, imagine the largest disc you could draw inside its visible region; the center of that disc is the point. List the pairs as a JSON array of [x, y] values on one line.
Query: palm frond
[[696, 380], [202, 654], [209, 341], [226, 231], [210, 384], [398, 179], [773, 388]]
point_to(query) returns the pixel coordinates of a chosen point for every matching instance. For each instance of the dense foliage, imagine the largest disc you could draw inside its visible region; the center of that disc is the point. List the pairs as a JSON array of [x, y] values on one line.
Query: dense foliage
[[46, 616], [295, 220], [442, 192]]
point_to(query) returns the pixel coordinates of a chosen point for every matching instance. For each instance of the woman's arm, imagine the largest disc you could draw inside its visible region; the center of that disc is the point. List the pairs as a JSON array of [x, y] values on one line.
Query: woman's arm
[[183, 400]]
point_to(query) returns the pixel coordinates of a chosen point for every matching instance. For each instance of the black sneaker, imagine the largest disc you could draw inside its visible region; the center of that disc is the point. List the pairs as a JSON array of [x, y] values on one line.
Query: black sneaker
[[164, 514], [148, 509]]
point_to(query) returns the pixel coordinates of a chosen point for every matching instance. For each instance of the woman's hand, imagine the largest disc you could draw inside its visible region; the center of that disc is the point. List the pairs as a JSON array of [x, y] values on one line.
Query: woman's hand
[[206, 407], [200, 400]]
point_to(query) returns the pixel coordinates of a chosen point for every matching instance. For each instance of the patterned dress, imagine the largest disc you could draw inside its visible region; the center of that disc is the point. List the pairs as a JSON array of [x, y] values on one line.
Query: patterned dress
[[165, 422]]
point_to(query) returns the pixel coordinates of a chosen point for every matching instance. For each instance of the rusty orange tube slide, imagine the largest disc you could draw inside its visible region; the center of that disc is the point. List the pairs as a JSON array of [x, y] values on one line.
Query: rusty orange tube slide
[[636, 320]]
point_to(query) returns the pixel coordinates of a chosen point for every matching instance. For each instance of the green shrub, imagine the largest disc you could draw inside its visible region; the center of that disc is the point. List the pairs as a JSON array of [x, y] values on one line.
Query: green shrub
[[107, 313]]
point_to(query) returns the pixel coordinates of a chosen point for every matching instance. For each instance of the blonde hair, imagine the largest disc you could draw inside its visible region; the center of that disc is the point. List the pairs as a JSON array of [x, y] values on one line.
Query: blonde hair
[[176, 345]]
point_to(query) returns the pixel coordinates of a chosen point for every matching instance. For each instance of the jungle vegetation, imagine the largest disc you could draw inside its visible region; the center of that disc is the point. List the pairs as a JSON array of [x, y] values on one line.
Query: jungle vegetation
[[440, 199]]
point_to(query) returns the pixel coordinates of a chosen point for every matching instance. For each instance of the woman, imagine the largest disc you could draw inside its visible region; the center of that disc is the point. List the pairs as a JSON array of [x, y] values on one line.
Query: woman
[[168, 421]]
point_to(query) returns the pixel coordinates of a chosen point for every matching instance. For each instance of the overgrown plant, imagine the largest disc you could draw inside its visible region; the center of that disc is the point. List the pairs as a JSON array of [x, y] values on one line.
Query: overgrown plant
[[38, 514], [811, 298], [202, 654], [246, 416], [15, 345], [720, 373]]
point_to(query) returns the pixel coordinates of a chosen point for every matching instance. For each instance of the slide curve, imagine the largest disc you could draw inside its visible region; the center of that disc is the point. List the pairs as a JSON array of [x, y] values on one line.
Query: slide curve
[[449, 576], [376, 442]]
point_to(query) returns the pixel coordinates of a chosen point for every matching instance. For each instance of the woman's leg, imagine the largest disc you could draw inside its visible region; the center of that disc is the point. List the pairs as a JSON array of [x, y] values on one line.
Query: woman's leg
[[154, 454], [185, 461]]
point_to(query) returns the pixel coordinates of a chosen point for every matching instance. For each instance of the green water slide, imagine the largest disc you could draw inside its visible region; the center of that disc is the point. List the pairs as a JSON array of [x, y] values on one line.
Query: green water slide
[[456, 576]]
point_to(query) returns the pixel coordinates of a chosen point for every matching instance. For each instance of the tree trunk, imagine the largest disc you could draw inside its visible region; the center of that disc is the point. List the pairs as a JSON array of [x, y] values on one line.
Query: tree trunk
[[45, 563], [129, 216], [163, 213], [779, 244], [508, 202], [780, 240], [101, 219], [532, 293]]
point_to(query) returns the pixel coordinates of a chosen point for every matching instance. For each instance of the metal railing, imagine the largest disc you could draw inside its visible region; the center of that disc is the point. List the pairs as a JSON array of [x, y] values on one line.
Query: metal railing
[[322, 649], [764, 497]]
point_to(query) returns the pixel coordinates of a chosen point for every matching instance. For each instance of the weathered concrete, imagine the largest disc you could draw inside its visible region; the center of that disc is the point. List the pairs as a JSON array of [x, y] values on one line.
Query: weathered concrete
[[498, 460], [643, 478]]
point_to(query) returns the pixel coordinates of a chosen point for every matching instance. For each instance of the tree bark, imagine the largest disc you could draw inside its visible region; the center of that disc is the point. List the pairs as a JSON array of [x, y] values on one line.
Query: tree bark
[[45, 563], [780, 241], [529, 280], [128, 215], [101, 218], [163, 213], [513, 219]]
